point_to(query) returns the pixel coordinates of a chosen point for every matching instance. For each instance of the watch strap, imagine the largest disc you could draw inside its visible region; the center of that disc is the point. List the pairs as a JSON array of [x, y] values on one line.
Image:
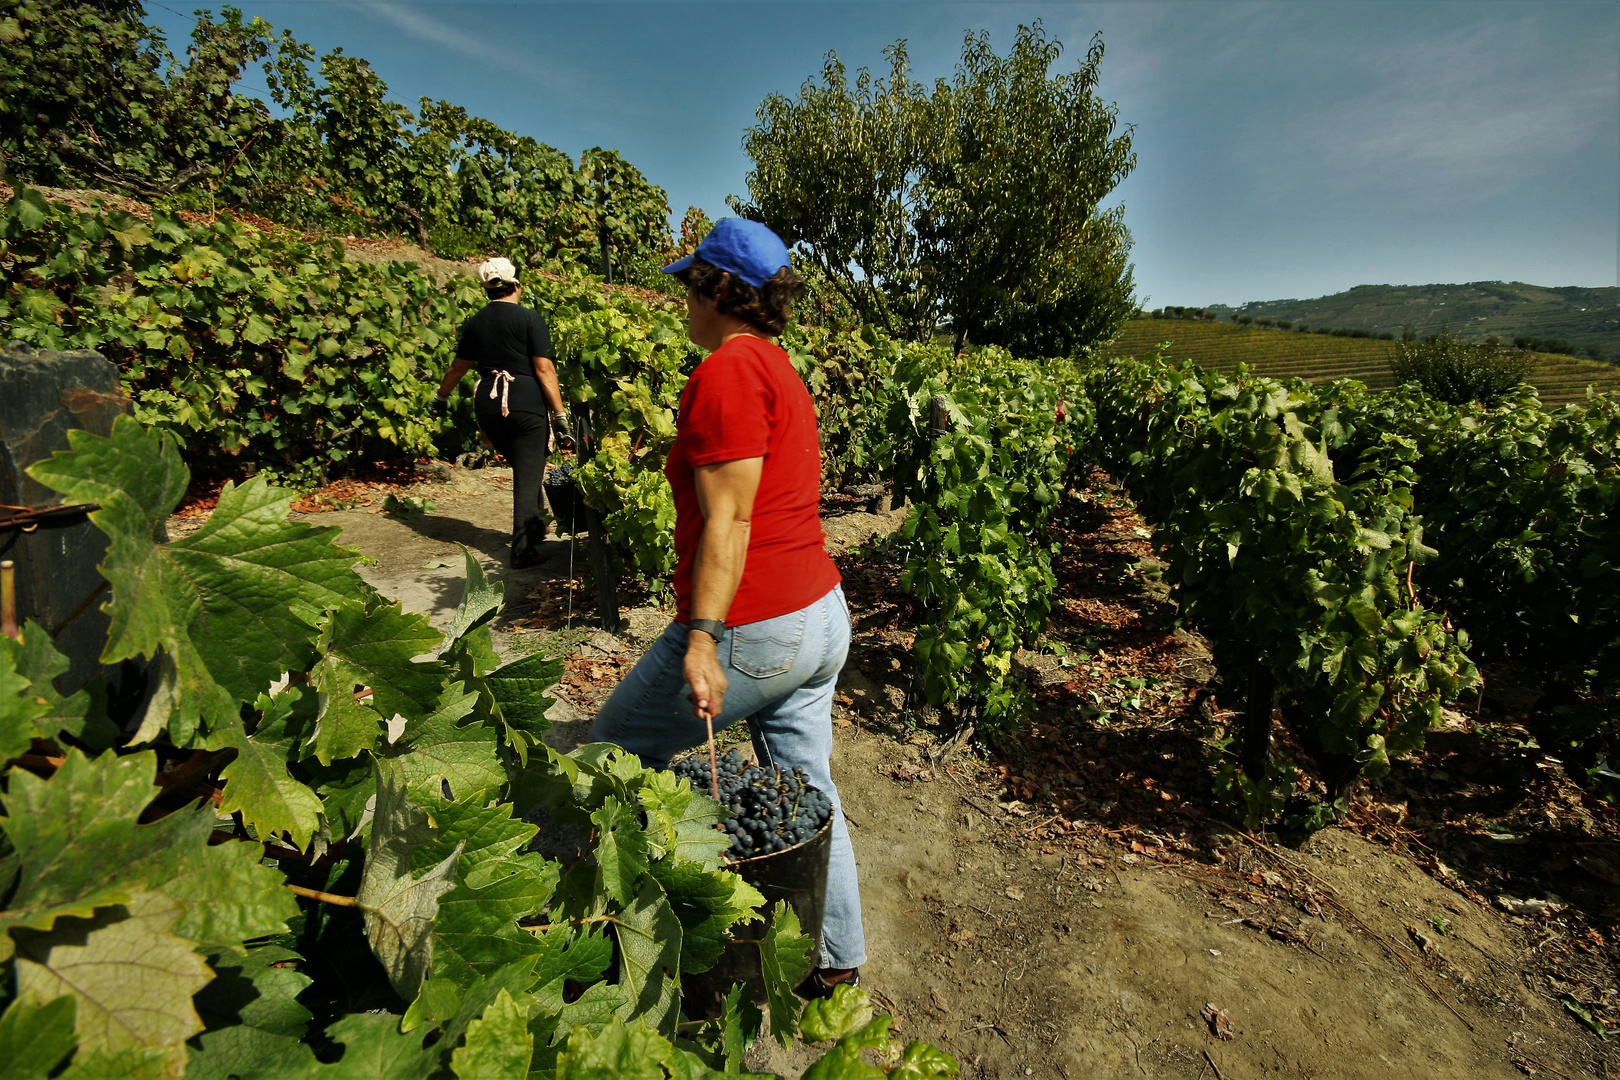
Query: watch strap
[[713, 627]]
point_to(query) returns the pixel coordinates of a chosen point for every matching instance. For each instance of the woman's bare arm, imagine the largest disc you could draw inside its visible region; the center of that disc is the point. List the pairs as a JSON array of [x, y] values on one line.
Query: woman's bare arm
[[725, 493], [546, 372], [458, 368]]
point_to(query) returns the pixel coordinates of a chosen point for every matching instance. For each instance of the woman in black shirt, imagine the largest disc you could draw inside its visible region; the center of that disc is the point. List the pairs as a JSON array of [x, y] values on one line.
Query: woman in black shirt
[[518, 402]]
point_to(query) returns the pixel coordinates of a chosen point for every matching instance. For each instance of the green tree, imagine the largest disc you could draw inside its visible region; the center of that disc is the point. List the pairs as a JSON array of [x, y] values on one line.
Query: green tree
[[973, 205], [1458, 371]]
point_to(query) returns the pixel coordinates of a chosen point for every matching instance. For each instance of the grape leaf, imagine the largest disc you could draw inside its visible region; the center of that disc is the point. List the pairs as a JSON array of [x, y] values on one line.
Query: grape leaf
[[829, 1019], [784, 959], [620, 1051], [488, 833], [345, 790], [21, 705], [469, 1004], [399, 910], [650, 954], [258, 785], [739, 1024], [131, 977], [439, 747], [923, 1062], [480, 601], [79, 847], [621, 849], [708, 903], [375, 1049], [130, 1063], [235, 604], [371, 647], [519, 692], [81, 714], [682, 821], [580, 955], [498, 1046], [256, 1023], [842, 1063], [35, 1037], [476, 929]]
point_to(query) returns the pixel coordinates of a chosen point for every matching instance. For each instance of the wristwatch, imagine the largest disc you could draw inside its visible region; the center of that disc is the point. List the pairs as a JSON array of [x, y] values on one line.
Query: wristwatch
[[713, 627]]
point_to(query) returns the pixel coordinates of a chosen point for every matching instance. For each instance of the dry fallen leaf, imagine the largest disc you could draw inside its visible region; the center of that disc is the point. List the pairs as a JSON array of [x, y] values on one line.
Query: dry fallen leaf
[[1220, 1025], [1014, 892], [939, 1001]]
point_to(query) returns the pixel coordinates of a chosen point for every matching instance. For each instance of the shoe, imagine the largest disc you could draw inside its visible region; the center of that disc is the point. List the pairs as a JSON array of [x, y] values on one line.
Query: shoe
[[526, 560], [821, 982]]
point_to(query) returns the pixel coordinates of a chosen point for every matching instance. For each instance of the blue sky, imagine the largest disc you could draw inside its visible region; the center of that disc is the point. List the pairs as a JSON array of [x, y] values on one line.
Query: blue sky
[[1287, 148]]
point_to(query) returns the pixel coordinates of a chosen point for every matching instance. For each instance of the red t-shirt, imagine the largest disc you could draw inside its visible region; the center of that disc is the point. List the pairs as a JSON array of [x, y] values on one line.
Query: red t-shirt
[[746, 401]]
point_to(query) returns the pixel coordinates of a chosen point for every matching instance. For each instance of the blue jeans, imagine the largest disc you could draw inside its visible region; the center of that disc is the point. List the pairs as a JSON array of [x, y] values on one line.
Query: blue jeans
[[780, 676]]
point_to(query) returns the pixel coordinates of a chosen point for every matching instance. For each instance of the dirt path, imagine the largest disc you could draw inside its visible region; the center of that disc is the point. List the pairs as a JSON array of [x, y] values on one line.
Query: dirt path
[[1067, 908]]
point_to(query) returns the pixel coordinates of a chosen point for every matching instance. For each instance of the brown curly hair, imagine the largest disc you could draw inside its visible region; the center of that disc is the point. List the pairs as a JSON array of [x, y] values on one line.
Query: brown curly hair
[[766, 309]]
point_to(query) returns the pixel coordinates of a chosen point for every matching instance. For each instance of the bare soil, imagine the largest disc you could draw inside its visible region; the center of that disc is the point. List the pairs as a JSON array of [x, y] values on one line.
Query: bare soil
[[1070, 904]]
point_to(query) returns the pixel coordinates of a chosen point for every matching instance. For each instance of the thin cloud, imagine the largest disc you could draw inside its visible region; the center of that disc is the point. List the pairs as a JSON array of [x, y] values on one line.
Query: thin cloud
[[424, 27], [1464, 115]]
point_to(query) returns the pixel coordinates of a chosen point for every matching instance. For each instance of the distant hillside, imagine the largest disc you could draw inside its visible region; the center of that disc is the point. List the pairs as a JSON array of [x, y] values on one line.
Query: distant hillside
[[1320, 358], [1476, 311]]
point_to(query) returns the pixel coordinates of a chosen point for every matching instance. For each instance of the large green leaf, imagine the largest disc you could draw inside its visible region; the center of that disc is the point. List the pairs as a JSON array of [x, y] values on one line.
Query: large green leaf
[[708, 903], [375, 1049], [683, 822], [439, 747], [519, 690], [256, 1025], [35, 1037], [784, 959], [621, 849], [372, 647], [258, 786], [130, 975], [830, 1018], [399, 909], [650, 955], [620, 1051], [480, 601], [21, 705], [81, 714], [233, 605], [79, 847], [129, 1063], [476, 929], [498, 1046], [739, 1024]]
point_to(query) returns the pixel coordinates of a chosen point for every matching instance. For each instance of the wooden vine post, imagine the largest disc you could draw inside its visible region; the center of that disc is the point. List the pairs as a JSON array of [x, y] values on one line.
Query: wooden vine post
[[1262, 701]]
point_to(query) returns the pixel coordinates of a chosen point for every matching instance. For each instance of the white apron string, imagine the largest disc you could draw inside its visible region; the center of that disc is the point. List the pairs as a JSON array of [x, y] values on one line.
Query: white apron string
[[501, 381]]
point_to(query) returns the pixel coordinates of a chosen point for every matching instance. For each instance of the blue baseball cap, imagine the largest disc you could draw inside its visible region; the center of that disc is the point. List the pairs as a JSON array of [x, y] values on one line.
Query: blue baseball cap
[[745, 248]]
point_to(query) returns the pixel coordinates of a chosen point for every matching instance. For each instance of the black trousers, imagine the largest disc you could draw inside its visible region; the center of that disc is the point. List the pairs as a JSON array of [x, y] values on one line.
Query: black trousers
[[521, 438]]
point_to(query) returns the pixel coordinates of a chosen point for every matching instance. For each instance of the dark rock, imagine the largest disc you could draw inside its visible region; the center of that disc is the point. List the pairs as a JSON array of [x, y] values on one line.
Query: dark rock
[[46, 394]]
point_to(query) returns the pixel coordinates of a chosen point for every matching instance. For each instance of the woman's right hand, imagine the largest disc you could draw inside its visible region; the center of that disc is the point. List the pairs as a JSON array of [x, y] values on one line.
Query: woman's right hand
[[705, 676]]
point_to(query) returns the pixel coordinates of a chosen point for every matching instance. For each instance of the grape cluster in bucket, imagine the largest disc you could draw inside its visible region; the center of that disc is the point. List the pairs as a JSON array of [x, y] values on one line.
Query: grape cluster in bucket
[[772, 810]]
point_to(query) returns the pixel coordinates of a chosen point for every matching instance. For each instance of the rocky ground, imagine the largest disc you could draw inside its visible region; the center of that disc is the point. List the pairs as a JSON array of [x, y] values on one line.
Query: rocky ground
[[1066, 905]]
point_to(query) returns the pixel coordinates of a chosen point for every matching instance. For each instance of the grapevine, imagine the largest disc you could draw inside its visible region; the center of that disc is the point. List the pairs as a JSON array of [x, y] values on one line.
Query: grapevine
[[380, 893]]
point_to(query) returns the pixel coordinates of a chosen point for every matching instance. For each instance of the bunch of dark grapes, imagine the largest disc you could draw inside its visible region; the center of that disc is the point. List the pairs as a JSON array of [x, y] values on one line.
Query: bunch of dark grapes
[[771, 810]]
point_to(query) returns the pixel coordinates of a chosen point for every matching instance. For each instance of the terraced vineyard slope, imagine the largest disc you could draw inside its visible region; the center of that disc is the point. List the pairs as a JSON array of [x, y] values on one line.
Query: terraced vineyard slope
[[1321, 358]]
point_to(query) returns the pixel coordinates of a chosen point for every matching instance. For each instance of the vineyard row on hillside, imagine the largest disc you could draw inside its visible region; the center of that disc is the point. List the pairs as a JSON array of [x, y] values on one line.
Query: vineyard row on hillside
[[1319, 358]]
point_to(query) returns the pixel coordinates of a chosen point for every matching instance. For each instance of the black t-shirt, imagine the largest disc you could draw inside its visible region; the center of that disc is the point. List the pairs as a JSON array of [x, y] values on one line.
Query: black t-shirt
[[506, 337]]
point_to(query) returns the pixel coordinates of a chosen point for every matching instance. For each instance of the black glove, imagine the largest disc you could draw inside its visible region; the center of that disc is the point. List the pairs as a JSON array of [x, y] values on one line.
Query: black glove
[[562, 431], [439, 407]]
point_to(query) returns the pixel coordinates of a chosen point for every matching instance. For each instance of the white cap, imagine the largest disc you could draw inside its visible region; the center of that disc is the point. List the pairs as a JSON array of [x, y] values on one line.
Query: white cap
[[496, 269]]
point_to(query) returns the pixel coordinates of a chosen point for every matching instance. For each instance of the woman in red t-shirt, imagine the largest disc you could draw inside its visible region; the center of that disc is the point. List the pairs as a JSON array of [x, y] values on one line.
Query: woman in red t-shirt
[[761, 627]]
